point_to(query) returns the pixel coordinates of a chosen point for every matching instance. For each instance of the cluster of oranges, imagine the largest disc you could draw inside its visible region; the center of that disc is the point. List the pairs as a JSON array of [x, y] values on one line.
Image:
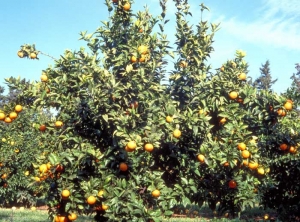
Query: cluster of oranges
[[31, 55], [8, 118]]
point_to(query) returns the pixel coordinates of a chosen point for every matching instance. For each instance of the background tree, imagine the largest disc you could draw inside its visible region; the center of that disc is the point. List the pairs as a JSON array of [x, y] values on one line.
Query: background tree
[[265, 80]]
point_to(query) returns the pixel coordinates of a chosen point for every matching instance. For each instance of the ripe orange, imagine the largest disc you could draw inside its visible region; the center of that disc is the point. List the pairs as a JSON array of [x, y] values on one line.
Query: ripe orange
[[169, 119], [133, 59], [72, 216], [65, 194], [201, 158], [13, 115], [177, 133], [222, 121], [232, 184], [123, 167], [241, 146], [43, 168], [245, 154], [44, 78], [149, 147], [155, 193], [126, 6], [21, 54], [142, 58], [105, 207], [281, 112], [48, 166], [7, 120], [283, 146], [222, 69], [128, 150], [226, 164], [266, 217], [242, 76], [288, 106], [253, 165], [42, 127], [260, 171], [60, 218], [91, 200], [2, 116], [18, 108], [233, 95], [58, 124], [131, 145], [4, 176], [33, 55], [292, 149]]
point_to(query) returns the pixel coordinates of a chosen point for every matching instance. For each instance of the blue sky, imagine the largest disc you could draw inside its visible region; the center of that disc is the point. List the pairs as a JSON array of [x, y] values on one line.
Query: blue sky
[[265, 29]]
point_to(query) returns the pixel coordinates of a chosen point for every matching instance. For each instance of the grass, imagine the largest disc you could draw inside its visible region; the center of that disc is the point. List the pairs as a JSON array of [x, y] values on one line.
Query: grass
[[205, 214]]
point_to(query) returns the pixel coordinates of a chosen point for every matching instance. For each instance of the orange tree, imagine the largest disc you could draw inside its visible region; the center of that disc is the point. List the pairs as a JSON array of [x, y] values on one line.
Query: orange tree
[[129, 148], [20, 145]]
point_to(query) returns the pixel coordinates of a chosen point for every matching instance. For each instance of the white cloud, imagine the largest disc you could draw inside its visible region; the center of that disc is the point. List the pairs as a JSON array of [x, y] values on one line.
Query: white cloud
[[277, 27]]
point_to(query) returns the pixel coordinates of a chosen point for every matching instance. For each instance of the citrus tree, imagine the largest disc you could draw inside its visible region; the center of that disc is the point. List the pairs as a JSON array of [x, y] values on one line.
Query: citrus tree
[[20, 146], [127, 147]]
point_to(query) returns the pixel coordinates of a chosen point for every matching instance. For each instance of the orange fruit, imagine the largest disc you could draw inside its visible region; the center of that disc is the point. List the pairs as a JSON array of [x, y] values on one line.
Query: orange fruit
[[65, 193], [2, 116], [43, 168], [292, 149], [18, 108], [133, 59], [20, 54], [13, 115], [201, 158], [142, 58], [33, 55], [222, 121], [44, 78], [222, 69], [253, 165], [226, 164], [148, 147], [242, 76], [260, 171], [169, 119], [126, 6], [91, 200], [105, 207], [241, 146], [245, 162], [233, 95], [58, 124], [283, 146], [288, 106], [155, 193], [7, 120], [42, 127], [4, 176], [232, 184], [123, 167], [266, 217], [177, 133], [60, 218], [48, 166], [281, 112], [131, 145], [72, 216], [245, 154], [240, 100], [128, 150]]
